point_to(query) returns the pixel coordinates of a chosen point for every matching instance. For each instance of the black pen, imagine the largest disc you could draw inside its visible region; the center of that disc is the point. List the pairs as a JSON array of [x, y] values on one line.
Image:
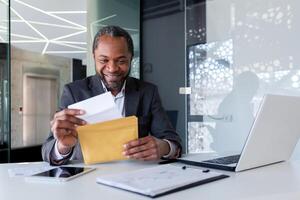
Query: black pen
[[204, 170], [167, 161]]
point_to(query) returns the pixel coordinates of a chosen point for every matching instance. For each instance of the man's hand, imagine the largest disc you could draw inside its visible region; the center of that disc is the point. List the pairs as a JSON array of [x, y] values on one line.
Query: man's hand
[[146, 148], [63, 127]]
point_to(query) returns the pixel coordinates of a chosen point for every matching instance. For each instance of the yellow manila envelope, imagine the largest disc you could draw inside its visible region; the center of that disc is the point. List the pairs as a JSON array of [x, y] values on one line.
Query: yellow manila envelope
[[103, 142]]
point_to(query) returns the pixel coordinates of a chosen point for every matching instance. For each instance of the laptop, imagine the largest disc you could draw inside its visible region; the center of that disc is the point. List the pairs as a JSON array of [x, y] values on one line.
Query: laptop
[[272, 138]]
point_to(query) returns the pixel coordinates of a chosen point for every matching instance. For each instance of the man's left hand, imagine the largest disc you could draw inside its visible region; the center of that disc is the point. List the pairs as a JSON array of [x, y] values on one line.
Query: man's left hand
[[146, 148]]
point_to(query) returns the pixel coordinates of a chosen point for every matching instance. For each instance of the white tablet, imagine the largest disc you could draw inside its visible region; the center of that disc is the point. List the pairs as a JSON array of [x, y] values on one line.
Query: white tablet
[[60, 174]]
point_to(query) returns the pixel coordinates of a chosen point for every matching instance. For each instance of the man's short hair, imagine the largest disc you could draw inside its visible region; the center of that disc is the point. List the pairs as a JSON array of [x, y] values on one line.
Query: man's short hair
[[113, 31]]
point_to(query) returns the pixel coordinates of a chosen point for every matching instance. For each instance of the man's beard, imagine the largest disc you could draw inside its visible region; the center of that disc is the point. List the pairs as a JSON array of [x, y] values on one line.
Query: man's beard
[[115, 85]]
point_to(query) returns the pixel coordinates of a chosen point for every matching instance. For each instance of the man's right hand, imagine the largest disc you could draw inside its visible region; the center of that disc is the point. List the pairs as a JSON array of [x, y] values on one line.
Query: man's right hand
[[63, 127]]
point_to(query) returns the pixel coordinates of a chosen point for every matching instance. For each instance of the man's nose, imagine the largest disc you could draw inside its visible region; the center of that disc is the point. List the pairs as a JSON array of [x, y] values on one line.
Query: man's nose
[[112, 67]]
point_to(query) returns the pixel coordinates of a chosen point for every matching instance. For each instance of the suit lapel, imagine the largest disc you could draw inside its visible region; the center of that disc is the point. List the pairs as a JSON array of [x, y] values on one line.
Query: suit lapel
[[131, 97], [96, 86]]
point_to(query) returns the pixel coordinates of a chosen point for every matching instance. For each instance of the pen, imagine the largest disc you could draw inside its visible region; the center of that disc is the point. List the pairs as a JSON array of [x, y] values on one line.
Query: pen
[[167, 161], [204, 171]]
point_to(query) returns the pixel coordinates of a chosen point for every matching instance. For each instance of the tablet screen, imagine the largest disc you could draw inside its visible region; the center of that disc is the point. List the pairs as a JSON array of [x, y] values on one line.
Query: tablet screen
[[63, 172]]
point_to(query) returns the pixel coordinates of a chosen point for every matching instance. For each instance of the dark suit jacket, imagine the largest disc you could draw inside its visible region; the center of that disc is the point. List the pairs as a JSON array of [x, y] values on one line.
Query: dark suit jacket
[[141, 100]]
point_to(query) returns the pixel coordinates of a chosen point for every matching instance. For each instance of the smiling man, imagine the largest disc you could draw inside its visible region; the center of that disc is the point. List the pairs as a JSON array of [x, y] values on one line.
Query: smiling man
[[113, 53]]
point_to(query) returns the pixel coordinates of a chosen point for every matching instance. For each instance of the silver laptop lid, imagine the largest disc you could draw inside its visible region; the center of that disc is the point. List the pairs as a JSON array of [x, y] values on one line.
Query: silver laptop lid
[[274, 134]]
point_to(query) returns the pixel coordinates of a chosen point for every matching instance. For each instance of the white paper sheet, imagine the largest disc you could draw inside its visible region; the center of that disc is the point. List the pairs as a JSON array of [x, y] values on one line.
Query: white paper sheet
[[99, 108]]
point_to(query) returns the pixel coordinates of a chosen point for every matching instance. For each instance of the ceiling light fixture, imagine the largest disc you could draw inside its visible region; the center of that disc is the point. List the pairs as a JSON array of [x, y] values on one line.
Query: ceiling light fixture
[[23, 36], [68, 45], [71, 42], [45, 48], [128, 29], [55, 52], [28, 41], [50, 24], [67, 12], [79, 47], [5, 2], [52, 15], [98, 21], [3, 27], [1, 39], [70, 35], [26, 22]]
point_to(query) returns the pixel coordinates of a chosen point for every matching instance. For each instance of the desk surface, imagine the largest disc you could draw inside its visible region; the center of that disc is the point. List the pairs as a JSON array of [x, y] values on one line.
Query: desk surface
[[276, 182]]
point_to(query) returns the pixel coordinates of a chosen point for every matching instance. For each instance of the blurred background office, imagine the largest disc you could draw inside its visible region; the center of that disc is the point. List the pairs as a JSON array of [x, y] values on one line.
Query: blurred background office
[[212, 60]]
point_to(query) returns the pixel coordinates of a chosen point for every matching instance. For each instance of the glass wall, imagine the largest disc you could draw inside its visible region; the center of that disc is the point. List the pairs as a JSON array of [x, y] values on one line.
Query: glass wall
[[4, 82], [46, 40], [45, 37], [237, 53]]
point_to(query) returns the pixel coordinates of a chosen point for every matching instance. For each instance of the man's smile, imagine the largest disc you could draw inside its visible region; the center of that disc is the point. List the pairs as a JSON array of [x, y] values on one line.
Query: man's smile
[[113, 77]]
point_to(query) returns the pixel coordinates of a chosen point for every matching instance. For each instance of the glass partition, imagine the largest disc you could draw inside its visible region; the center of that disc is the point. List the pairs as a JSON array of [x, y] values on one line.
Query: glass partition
[[4, 82], [238, 52], [45, 37]]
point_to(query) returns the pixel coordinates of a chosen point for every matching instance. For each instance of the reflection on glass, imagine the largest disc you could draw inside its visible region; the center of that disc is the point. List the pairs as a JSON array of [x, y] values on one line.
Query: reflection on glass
[[199, 137], [235, 114], [38, 91], [37, 83], [250, 49], [37, 78], [4, 83], [210, 75]]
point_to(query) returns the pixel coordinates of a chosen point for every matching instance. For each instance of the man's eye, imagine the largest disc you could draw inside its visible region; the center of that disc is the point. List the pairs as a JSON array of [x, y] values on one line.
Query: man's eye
[[103, 61], [122, 62]]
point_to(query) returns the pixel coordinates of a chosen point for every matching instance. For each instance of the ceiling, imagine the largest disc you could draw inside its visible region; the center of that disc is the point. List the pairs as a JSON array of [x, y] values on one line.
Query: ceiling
[[56, 27]]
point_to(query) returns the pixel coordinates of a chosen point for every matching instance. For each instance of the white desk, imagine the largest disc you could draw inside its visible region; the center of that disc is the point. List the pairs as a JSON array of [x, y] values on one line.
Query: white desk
[[277, 182]]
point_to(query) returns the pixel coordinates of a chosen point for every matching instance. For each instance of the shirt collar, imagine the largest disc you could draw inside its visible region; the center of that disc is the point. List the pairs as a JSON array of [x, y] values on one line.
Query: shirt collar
[[120, 94]]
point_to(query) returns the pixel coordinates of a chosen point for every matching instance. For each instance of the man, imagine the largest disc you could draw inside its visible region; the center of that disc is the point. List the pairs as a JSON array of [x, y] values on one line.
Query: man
[[113, 53]]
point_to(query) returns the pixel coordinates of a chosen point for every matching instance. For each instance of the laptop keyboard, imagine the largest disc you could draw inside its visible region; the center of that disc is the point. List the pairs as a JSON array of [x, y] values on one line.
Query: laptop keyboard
[[224, 160]]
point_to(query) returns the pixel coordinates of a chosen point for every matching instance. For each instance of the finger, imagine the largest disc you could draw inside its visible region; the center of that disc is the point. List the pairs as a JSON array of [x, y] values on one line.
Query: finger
[[140, 148], [72, 119], [145, 154], [69, 112], [137, 142], [148, 158], [61, 124], [60, 133], [63, 134]]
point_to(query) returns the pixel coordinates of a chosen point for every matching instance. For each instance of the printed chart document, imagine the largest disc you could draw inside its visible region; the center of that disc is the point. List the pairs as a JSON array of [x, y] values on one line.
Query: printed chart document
[[160, 180], [99, 108]]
